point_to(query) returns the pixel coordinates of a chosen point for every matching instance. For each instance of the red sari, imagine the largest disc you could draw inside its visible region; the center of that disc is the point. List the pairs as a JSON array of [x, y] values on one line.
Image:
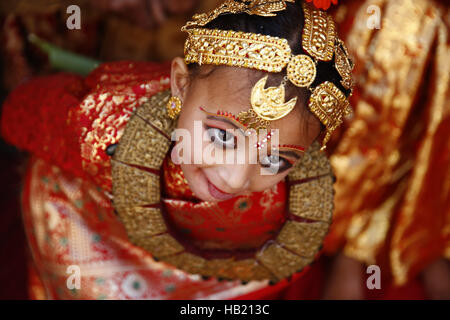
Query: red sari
[[67, 123]]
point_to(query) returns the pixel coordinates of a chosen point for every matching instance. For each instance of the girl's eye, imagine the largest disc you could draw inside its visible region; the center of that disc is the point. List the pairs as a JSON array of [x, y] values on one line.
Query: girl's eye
[[275, 164], [222, 138]]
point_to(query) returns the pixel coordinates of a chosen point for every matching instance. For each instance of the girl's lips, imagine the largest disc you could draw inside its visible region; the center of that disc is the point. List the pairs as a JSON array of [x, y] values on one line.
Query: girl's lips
[[219, 194]]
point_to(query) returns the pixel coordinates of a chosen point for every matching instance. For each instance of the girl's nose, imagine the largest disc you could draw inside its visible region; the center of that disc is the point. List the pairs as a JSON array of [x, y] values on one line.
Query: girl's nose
[[237, 177]]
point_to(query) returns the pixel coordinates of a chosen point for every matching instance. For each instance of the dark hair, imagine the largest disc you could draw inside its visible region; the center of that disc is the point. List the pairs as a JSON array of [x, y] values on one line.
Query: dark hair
[[287, 24]]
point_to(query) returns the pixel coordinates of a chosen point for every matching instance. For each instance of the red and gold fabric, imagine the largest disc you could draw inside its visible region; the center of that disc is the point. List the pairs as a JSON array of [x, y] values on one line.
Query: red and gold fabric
[[392, 162], [67, 124], [243, 223]]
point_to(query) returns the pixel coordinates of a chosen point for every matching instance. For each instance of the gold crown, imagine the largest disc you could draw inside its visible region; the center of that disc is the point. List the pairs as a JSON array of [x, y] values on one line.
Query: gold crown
[[273, 54], [264, 8]]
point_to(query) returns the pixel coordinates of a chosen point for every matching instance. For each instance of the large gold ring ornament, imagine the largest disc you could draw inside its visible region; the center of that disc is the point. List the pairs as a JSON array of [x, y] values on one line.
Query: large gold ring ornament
[[137, 199]]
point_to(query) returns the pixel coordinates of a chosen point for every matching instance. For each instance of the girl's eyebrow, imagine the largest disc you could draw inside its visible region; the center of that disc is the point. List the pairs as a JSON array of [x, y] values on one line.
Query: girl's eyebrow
[[222, 120], [226, 117], [225, 120]]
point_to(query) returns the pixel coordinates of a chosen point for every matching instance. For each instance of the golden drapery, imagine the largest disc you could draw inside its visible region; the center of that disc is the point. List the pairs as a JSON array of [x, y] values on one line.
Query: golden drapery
[[392, 162]]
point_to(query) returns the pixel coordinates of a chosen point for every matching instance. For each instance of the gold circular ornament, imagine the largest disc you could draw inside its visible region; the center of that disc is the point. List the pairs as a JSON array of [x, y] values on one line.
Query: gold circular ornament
[[174, 107], [301, 71], [136, 168]]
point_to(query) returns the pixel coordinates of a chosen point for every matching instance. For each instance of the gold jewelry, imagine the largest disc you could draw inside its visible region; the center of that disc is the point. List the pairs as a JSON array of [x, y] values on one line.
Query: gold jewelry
[[251, 120], [330, 105], [319, 34], [273, 54], [248, 50], [237, 49], [344, 64], [302, 71], [137, 198], [269, 103], [262, 8], [174, 107]]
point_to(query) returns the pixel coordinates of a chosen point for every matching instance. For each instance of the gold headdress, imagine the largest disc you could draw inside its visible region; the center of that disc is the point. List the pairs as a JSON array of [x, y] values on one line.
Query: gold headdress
[[273, 54]]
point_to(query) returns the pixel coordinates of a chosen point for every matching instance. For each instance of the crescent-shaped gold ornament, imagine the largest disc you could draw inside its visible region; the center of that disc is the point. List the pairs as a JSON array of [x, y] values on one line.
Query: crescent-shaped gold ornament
[[269, 104]]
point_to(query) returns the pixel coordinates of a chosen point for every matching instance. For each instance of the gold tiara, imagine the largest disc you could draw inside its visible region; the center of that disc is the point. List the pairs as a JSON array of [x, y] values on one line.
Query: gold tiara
[[237, 49], [273, 54], [264, 8]]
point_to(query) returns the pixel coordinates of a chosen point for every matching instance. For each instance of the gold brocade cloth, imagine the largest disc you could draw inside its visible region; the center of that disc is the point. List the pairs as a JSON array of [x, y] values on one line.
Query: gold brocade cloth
[[392, 162]]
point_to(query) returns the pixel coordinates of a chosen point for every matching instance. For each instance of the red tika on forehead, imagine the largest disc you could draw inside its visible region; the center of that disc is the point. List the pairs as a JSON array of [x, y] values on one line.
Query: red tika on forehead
[[227, 115]]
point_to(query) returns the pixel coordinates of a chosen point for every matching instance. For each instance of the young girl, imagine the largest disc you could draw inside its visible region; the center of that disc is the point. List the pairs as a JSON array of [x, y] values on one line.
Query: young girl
[[114, 209]]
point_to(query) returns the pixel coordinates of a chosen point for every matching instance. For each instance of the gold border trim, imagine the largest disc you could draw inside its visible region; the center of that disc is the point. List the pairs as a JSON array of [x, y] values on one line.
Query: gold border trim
[[255, 51]]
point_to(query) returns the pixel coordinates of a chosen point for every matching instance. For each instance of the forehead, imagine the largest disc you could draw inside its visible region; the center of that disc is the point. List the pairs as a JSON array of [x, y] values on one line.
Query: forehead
[[229, 89]]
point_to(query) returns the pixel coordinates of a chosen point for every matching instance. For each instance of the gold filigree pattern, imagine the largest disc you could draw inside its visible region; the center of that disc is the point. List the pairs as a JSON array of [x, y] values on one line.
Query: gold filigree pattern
[[281, 262], [262, 8], [237, 49], [311, 195], [330, 105], [137, 143], [154, 112], [139, 216], [159, 246], [251, 120], [302, 238], [313, 164], [269, 104], [344, 65], [313, 200], [135, 189], [301, 71], [319, 34], [174, 107]]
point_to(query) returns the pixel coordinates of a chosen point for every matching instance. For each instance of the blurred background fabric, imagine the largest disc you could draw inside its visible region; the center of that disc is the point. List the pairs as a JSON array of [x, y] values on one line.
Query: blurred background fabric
[[392, 161]]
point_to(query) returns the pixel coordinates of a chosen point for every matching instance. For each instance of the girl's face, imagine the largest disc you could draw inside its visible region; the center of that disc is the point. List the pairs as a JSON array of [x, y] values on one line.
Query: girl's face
[[229, 90]]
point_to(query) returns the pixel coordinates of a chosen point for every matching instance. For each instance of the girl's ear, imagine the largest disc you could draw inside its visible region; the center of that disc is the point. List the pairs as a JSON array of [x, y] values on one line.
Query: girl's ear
[[179, 79]]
